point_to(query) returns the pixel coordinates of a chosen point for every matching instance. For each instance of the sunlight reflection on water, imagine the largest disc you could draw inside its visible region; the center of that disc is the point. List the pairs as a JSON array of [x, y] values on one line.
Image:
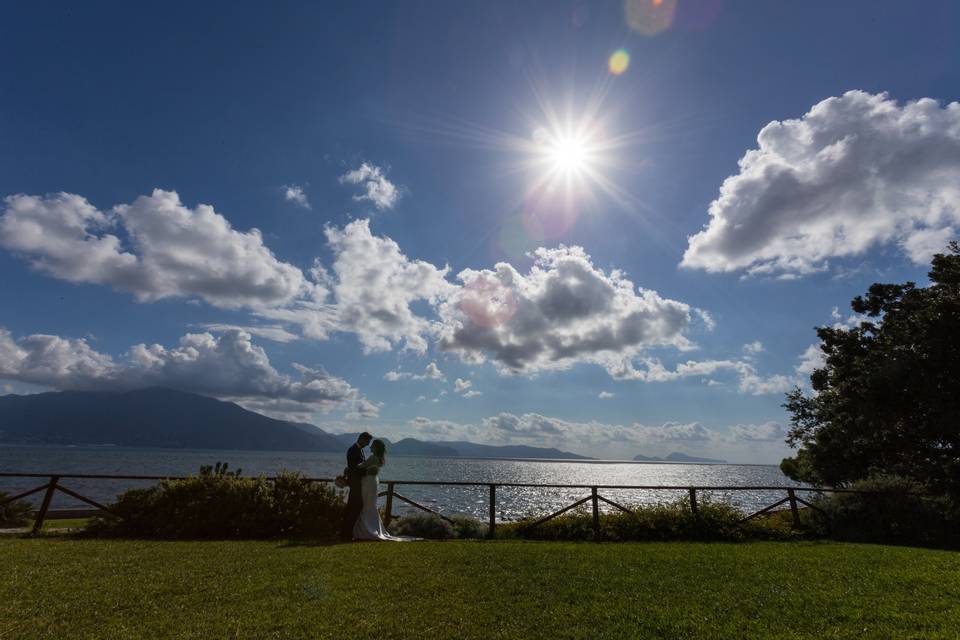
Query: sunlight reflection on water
[[512, 502]]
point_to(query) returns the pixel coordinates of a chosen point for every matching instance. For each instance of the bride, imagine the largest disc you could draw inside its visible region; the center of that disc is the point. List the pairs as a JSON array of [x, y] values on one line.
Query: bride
[[368, 525]]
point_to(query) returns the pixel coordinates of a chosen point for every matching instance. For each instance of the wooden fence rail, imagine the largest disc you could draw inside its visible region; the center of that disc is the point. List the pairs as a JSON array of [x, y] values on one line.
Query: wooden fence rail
[[53, 485]]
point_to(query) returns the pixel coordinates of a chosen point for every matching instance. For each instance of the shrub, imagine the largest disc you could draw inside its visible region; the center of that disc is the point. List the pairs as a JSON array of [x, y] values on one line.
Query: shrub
[[894, 512], [465, 527], [223, 505], [714, 521], [306, 508], [423, 525], [14, 514]]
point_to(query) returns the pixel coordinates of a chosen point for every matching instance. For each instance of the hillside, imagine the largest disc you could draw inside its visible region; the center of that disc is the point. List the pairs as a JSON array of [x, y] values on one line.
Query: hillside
[[154, 417], [165, 418]]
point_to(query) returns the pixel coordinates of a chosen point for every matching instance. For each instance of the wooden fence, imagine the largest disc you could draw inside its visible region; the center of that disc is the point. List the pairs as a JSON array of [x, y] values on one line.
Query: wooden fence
[[594, 497]]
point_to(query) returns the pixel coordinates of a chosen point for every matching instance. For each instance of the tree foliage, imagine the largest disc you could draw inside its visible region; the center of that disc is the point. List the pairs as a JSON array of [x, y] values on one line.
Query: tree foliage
[[887, 400]]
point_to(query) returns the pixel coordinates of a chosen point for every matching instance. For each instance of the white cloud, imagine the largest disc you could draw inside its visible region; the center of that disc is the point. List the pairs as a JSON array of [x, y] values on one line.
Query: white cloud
[[374, 285], [295, 194], [564, 311], [377, 189], [855, 172], [432, 372], [753, 348], [54, 361], [605, 395], [766, 432], [749, 380], [759, 442], [539, 430], [811, 359], [229, 366], [465, 388], [169, 250], [274, 332]]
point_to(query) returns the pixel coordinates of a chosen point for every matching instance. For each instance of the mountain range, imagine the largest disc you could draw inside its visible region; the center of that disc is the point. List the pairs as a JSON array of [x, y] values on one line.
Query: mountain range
[[166, 418]]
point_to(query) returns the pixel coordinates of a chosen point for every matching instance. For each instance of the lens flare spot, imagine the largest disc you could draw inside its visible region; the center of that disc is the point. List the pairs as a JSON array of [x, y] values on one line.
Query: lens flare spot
[[549, 214], [619, 61], [649, 17]]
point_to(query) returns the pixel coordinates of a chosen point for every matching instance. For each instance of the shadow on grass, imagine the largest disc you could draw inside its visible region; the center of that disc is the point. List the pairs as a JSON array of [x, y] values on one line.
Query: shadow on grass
[[290, 543]]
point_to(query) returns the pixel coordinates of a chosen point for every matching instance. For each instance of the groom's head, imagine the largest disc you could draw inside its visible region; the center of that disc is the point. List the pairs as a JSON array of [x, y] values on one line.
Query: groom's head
[[364, 439]]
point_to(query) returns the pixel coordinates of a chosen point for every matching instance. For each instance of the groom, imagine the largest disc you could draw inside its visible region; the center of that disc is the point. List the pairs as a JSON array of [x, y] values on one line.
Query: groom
[[354, 475]]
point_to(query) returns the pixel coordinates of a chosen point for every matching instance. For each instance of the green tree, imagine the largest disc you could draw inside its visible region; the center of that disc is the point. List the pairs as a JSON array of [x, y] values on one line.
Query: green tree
[[887, 400]]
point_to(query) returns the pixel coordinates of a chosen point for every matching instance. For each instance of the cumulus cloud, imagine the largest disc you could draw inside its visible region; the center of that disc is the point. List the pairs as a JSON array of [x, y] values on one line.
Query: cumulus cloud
[[855, 172], [810, 360], [376, 188], [605, 395], [374, 285], [564, 311], [674, 432], [749, 379], [753, 348], [432, 372], [49, 360], [296, 195], [539, 430], [167, 249], [465, 388], [766, 432], [276, 333], [608, 439], [229, 366]]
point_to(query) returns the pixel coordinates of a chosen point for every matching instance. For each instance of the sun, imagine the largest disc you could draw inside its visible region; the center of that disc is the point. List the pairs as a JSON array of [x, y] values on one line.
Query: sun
[[569, 154], [565, 154]]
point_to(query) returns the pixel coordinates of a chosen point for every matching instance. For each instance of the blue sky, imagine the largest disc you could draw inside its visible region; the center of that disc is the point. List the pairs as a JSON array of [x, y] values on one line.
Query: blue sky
[[305, 120]]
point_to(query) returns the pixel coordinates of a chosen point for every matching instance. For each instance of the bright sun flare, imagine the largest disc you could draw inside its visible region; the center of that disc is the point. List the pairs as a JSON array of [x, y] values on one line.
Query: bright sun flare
[[569, 155], [566, 155]]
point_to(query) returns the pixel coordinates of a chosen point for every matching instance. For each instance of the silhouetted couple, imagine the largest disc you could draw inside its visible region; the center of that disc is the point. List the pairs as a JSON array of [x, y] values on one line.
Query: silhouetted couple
[[361, 520]]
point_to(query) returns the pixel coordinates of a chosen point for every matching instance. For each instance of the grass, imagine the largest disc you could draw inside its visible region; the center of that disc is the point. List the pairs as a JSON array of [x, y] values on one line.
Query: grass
[[65, 523], [62, 587]]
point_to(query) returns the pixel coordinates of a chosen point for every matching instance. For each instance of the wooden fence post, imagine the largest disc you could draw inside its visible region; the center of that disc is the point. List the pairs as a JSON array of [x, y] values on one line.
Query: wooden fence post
[[792, 496], [45, 505], [693, 501], [596, 512], [493, 511], [388, 516]]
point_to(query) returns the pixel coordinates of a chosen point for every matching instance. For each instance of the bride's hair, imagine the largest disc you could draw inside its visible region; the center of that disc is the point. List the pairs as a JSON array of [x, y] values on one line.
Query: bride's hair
[[379, 449]]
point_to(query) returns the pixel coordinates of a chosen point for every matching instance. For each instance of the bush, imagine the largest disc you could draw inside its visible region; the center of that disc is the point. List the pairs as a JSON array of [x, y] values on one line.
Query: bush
[[465, 527], [714, 521], [16, 513], [894, 512], [423, 525], [222, 505]]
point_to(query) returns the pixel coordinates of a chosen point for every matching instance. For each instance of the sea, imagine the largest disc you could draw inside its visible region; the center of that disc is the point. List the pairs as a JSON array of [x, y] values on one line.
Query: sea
[[512, 502]]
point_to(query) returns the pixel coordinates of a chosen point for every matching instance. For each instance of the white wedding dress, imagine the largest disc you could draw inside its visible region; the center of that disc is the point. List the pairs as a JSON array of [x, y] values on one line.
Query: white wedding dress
[[368, 525]]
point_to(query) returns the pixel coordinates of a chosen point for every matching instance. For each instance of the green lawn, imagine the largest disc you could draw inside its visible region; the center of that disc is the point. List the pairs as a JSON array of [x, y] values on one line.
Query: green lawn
[[59, 587]]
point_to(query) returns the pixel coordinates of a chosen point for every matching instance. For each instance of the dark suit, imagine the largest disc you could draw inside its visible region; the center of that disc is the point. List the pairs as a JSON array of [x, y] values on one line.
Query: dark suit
[[354, 500]]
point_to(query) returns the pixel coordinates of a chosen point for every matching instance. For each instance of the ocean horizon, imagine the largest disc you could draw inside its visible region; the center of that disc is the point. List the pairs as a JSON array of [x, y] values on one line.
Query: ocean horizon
[[513, 502]]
